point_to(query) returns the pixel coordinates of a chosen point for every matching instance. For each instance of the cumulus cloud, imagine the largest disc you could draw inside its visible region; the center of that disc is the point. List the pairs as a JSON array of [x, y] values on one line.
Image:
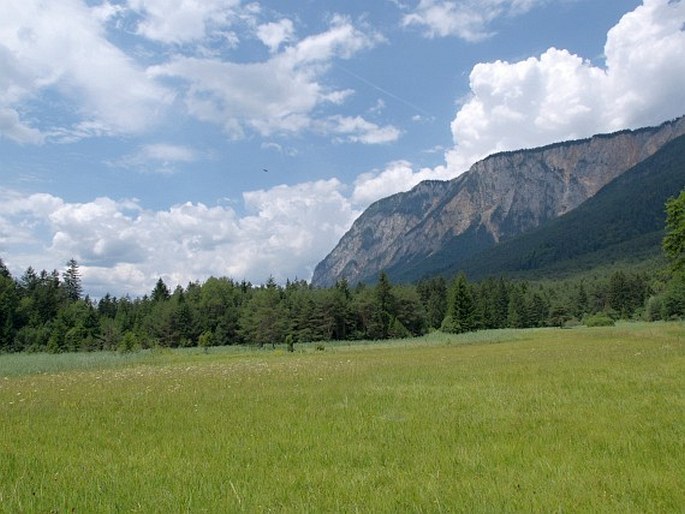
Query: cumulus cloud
[[123, 248], [397, 176], [466, 19], [559, 95]]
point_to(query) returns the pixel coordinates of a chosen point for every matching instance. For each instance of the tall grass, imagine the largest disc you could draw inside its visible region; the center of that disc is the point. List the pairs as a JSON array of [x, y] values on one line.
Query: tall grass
[[586, 420]]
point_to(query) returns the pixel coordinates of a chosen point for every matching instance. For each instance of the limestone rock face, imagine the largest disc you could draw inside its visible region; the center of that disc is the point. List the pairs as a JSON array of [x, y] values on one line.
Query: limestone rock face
[[504, 195]]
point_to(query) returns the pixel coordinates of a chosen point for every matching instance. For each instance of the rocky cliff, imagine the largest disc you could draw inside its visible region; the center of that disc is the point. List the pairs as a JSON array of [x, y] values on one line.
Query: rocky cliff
[[439, 223]]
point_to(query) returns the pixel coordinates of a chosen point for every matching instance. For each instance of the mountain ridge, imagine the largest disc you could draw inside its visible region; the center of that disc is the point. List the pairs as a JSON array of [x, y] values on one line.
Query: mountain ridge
[[498, 198]]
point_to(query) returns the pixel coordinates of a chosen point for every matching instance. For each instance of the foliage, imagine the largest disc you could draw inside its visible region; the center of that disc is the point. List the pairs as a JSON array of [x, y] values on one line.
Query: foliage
[[674, 241], [599, 320], [39, 312]]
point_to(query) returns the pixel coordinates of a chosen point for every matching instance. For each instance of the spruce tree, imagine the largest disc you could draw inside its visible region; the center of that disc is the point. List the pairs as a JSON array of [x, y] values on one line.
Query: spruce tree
[[71, 281], [461, 307]]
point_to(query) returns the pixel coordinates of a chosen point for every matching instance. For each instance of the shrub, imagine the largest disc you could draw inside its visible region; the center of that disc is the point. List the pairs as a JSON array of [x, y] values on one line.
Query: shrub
[[289, 343], [571, 323], [599, 320], [128, 343]]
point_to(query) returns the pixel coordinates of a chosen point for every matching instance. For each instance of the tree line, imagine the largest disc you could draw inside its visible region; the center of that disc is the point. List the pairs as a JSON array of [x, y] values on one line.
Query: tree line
[[47, 311]]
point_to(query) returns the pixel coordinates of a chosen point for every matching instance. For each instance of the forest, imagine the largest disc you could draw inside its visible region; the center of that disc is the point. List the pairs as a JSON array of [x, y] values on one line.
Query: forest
[[47, 311]]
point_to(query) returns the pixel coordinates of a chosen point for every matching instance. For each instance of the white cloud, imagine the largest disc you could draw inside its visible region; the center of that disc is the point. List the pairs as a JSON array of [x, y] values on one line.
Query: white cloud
[[278, 95], [157, 158], [274, 34], [467, 19], [560, 96], [123, 248], [14, 129], [358, 130], [61, 47], [396, 177], [182, 21], [60, 50]]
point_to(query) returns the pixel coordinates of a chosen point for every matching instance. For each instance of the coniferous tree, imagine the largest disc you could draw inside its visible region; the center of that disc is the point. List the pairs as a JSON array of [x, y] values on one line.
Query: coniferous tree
[[461, 307], [581, 303], [518, 310], [9, 303], [674, 241], [384, 311], [433, 294], [71, 281], [161, 292], [341, 308], [265, 318]]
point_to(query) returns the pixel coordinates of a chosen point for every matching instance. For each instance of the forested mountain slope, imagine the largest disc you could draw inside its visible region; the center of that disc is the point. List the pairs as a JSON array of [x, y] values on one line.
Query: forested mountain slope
[[440, 225], [624, 219]]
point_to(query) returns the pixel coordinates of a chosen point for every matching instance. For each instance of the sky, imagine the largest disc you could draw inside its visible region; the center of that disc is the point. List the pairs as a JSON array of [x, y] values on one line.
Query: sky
[[183, 139]]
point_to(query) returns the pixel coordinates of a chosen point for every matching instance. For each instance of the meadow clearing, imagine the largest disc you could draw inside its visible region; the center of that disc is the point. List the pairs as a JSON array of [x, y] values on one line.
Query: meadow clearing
[[540, 420]]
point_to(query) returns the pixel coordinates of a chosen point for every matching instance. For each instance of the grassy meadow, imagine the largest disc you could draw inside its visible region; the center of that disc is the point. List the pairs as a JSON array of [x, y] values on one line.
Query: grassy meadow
[[544, 420]]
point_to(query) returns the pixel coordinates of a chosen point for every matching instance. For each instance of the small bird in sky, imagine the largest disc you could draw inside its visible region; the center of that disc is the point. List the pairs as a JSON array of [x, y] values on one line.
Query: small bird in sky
[[265, 170]]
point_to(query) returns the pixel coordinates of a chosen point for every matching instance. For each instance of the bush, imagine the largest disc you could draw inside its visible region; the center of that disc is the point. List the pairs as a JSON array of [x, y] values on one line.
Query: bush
[[599, 320], [290, 343], [128, 343], [571, 323]]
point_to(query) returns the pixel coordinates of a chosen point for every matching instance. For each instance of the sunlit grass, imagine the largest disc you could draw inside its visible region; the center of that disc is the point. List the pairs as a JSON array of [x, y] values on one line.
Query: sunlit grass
[[535, 420]]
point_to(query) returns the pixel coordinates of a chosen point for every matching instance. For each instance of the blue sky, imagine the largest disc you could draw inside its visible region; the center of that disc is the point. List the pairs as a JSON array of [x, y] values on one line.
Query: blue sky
[[135, 134]]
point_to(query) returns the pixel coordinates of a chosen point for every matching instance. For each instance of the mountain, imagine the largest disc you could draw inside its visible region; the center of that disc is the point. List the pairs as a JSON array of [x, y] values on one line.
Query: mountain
[[439, 225], [625, 218]]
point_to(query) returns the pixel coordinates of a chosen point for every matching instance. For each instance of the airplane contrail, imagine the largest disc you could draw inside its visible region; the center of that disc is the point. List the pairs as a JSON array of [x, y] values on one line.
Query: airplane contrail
[[385, 92]]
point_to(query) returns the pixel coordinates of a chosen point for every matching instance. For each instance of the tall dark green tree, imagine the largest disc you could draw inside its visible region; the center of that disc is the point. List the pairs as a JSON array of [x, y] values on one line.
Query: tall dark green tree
[[674, 241], [461, 307], [433, 294], [71, 281], [674, 247], [518, 316], [384, 310], [341, 310], [161, 292], [265, 318], [9, 302]]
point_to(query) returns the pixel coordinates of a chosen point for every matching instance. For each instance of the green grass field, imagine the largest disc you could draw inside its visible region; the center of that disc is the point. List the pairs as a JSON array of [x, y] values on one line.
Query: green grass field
[[580, 420]]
